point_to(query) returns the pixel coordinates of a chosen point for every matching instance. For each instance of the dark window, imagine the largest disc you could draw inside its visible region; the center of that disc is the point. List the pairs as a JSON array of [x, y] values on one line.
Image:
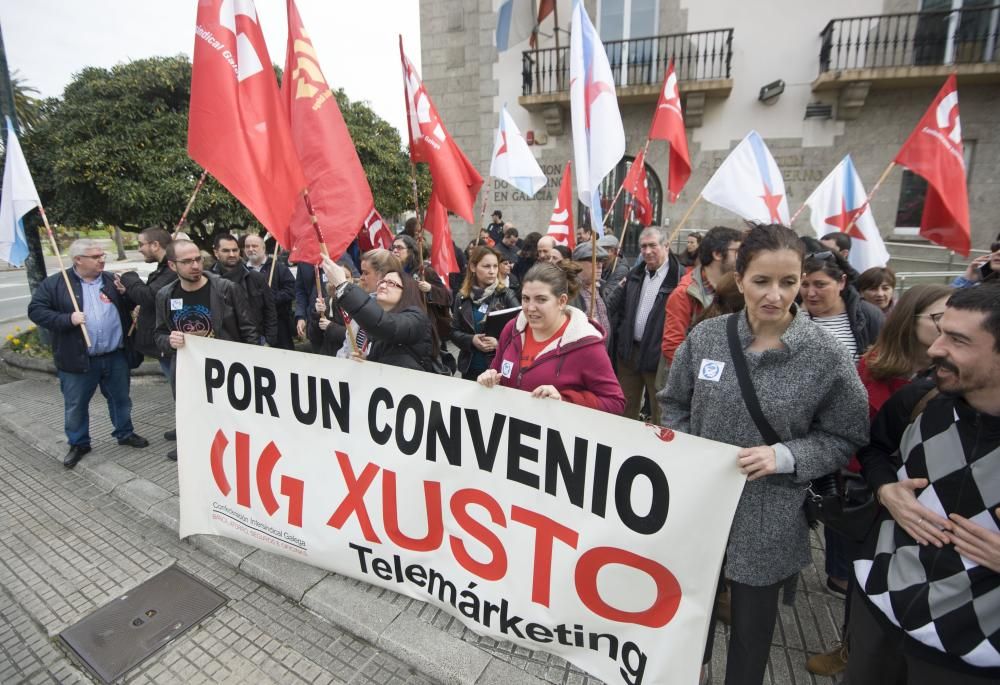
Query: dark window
[[616, 220]]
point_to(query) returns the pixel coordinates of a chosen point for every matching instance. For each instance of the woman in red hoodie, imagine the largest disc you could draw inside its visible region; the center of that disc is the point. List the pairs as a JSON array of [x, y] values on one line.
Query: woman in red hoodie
[[551, 349]]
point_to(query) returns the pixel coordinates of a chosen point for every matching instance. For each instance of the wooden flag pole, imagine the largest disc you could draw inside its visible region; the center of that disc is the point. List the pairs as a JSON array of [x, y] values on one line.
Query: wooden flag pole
[[194, 194], [621, 242], [274, 262], [796, 215], [684, 219], [871, 194], [416, 207], [69, 286], [593, 272], [486, 195], [319, 281]]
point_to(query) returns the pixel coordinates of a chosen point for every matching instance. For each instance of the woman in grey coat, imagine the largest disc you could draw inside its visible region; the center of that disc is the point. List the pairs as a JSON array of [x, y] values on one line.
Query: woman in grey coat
[[811, 395]]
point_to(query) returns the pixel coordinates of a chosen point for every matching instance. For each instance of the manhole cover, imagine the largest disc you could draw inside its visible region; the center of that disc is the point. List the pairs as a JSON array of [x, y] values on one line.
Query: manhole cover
[[128, 629]]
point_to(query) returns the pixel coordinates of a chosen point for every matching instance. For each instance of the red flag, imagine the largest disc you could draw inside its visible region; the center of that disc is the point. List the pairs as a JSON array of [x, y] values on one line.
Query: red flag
[[561, 224], [545, 8], [455, 180], [236, 129], [442, 248], [934, 151], [375, 233], [338, 188], [635, 185], [668, 124]]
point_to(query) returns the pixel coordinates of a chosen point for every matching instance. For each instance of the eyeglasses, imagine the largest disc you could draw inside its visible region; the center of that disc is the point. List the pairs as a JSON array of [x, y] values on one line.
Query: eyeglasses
[[934, 317], [389, 284], [398, 248], [98, 257], [188, 262]]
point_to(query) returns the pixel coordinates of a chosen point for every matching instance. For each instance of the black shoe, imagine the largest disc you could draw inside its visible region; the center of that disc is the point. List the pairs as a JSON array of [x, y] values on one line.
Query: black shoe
[[134, 440], [172, 455], [74, 455], [170, 435]]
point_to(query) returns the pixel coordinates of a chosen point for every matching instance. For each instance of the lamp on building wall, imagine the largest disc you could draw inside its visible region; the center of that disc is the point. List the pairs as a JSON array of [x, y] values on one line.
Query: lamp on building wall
[[769, 93]]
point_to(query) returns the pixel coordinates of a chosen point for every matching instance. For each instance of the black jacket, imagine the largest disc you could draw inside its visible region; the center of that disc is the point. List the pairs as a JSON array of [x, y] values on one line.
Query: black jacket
[[259, 297], [866, 319], [330, 341], [283, 290], [462, 323], [144, 295], [52, 309], [403, 338], [231, 318], [622, 305]]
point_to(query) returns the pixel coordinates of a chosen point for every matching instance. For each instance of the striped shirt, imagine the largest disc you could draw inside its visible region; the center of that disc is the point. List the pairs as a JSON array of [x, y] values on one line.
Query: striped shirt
[[840, 327], [647, 298]]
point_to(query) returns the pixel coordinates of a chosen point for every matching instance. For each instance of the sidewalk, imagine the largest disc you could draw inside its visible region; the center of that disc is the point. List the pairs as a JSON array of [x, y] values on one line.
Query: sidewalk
[[417, 634]]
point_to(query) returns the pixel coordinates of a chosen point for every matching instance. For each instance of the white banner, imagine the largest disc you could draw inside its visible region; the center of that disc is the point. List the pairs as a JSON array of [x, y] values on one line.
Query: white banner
[[556, 527]]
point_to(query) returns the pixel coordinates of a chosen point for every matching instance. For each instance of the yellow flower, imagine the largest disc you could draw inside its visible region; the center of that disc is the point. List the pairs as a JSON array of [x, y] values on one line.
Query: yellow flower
[[15, 342], [9, 338], [17, 328]]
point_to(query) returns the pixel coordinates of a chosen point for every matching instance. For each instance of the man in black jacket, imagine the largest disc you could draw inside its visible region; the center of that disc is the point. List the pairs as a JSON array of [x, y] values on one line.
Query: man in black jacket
[[282, 286], [104, 314], [153, 243], [637, 311], [198, 303], [253, 283], [927, 603]]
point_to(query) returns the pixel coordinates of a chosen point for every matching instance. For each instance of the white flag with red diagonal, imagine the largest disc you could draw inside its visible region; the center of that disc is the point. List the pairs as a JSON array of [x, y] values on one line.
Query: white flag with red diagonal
[[512, 159]]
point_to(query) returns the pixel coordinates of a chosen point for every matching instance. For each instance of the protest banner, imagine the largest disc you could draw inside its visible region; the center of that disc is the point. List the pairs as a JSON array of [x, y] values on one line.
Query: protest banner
[[556, 527]]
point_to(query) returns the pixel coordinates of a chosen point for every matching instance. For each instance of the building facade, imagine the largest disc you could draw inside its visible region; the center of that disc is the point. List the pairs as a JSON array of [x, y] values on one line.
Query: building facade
[[817, 80]]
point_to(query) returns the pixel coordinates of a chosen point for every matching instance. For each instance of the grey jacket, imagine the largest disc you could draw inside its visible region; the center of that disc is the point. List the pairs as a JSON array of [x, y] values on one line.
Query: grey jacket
[[811, 395]]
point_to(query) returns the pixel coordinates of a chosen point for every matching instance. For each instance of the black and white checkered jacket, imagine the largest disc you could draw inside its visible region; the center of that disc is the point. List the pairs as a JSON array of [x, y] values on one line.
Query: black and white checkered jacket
[[947, 606]]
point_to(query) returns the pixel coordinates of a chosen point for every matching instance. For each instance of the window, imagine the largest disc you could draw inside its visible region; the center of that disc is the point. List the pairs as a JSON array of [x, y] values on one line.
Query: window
[[627, 28], [965, 34], [616, 220]]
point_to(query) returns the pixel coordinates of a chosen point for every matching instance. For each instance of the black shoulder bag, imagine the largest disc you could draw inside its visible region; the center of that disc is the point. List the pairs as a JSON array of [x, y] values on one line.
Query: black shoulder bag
[[841, 501]]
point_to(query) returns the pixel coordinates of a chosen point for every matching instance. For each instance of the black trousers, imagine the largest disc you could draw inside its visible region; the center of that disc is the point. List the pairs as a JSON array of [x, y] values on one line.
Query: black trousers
[[877, 656], [754, 613]]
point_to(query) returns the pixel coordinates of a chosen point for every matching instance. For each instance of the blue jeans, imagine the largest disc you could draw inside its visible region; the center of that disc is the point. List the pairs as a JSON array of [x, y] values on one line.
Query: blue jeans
[[167, 367], [110, 373]]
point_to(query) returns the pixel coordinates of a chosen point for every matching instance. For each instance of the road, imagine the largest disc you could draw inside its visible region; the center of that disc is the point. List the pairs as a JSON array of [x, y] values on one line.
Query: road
[[14, 296]]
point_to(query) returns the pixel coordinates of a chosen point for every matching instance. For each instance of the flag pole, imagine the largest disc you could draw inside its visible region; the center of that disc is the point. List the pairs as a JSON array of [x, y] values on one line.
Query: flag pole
[[416, 207], [197, 187], [687, 215], [593, 272], [796, 215], [274, 262], [69, 286], [871, 194], [628, 215], [486, 195], [326, 253]]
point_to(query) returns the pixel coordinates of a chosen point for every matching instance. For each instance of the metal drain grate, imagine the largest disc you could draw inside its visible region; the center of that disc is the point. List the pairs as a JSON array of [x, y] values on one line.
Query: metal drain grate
[[123, 633]]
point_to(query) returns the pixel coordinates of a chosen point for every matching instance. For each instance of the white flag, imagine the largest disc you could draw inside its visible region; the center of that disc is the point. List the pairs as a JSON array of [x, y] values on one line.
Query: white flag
[[513, 161], [598, 133], [19, 198], [839, 200], [749, 183]]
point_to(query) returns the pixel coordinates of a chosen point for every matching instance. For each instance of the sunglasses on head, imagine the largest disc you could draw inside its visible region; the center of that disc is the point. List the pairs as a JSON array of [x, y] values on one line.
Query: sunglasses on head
[[822, 256]]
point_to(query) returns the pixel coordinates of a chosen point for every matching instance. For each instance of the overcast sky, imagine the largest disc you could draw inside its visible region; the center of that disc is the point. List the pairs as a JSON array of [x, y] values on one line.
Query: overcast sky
[[48, 41]]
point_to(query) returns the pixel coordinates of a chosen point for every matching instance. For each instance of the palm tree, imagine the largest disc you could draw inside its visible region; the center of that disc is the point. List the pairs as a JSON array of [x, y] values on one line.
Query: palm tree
[[27, 106]]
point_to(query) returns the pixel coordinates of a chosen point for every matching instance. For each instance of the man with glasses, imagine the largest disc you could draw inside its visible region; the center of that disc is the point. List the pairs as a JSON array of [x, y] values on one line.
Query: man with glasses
[[637, 311], [198, 303], [82, 368]]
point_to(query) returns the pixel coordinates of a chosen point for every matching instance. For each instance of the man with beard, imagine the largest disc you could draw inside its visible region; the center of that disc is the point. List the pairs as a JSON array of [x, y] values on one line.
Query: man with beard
[[198, 303], [153, 244], [282, 286], [253, 283], [927, 606]]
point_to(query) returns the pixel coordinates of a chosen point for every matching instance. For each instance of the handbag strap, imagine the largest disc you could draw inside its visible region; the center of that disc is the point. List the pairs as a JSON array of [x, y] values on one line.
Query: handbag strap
[[746, 385]]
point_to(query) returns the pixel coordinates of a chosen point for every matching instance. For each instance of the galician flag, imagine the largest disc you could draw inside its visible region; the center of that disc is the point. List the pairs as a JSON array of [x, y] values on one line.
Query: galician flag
[[19, 198], [513, 161], [598, 133], [839, 203], [749, 183]]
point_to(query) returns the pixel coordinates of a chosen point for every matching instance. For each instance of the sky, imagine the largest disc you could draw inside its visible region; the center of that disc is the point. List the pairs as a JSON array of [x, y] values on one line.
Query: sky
[[48, 41]]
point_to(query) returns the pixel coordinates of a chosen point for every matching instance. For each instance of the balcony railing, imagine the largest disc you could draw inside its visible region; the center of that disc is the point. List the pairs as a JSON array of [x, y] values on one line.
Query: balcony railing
[[966, 36], [701, 55]]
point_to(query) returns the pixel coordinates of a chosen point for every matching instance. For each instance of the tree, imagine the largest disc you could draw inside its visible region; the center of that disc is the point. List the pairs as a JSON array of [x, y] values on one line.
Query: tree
[[114, 150], [26, 105]]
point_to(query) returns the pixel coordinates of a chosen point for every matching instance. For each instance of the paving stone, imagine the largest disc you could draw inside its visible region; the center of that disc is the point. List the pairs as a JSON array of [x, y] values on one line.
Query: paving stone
[[335, 599], [232, 552], [499, 672], [290, 577], [436, 653], [141, 494], [167, 513], [106, 475]]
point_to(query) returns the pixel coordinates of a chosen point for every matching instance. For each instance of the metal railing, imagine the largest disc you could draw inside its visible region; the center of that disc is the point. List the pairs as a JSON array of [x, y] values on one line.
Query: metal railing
[[698, 56], [964, 36]]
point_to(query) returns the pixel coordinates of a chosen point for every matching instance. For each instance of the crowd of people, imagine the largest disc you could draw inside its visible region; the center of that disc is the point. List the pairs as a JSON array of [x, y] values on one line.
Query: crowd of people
[[758, 338]]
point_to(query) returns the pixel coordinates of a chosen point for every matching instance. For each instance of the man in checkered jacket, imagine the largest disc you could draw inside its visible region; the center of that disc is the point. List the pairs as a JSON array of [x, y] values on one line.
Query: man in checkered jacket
[[927, 608]]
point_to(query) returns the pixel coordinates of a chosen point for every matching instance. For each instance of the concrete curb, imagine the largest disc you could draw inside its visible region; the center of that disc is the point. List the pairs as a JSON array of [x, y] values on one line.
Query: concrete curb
[[22, 366], [376, 619]]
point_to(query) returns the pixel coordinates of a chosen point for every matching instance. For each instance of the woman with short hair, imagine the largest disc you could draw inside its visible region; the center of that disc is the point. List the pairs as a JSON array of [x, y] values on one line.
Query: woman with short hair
[[481, 293], [877, 286], [812, 399], [551, 349]]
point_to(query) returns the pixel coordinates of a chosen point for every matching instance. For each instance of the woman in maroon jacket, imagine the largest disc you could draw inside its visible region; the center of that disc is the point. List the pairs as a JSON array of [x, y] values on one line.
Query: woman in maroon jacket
[[551, 349]]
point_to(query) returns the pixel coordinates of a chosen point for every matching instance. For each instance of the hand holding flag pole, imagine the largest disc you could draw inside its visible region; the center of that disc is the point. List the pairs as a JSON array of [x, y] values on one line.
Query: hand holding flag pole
[[319, 281]]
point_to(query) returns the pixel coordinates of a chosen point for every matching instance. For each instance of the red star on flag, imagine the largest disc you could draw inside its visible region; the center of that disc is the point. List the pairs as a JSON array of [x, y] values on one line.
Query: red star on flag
[[847, 217], [591, 91], [773, 202], [503, 144]]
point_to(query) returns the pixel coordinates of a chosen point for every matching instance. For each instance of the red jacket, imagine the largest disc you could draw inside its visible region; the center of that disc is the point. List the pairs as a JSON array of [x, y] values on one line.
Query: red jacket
[[878, 392], [577, 364], [685, 304]]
